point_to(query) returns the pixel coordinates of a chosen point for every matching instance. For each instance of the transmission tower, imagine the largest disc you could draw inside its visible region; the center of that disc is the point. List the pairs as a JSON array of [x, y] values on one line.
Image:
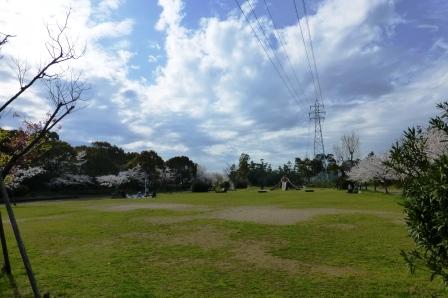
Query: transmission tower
[[317, 114]]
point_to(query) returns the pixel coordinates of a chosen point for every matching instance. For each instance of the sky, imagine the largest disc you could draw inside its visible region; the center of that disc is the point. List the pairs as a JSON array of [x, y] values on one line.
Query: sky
[[189, 77]]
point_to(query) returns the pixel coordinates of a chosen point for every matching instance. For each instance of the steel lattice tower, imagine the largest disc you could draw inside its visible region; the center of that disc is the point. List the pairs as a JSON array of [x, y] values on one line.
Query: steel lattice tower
[[317, 114]]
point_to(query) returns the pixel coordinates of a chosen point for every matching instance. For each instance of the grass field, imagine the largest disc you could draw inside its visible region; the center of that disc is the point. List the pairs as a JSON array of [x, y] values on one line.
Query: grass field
[[238, 244]]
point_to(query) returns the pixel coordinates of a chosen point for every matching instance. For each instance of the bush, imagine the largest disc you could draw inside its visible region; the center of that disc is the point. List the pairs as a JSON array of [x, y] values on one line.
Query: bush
[[225, 185], [201, 185], [241, 183], [422, 162]]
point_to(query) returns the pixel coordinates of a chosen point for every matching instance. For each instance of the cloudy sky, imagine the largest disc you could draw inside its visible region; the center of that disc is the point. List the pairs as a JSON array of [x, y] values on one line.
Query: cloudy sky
[[187, 77]]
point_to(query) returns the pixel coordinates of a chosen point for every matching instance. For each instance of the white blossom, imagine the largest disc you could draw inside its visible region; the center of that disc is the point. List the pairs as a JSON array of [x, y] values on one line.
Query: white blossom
[[165, 174], [436, 143], [15, 179], [71, 179], [80, 159], [135, 173], [372, 168]]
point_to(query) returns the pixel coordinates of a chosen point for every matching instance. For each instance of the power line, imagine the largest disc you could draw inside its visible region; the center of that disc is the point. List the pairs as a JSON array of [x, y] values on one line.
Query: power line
[[271, 47], [283, 45], [312, 51], [306, 51], [317, 110], [266, 51]]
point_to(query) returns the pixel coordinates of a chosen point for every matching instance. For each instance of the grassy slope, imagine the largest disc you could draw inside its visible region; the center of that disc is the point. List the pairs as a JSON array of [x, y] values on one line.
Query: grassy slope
[[81, 251]]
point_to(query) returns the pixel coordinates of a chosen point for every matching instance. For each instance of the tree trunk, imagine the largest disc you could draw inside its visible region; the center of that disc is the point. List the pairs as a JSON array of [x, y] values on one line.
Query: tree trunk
[[7, 266], [20, 244], [385, 187]]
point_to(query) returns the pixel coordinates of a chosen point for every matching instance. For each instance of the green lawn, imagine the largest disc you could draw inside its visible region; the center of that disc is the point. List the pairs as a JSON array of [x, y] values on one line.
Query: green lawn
[[238, 244]]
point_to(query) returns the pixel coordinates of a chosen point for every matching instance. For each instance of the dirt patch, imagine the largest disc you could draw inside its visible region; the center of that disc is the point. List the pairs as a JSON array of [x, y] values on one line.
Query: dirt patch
[[171, 219], [155, 206], [257, 254], [266, 215], [271, 215], [281, 216]]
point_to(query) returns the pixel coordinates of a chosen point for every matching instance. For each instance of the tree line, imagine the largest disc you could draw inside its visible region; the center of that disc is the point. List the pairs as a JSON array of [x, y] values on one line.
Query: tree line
[[98, 167], [56, 165]]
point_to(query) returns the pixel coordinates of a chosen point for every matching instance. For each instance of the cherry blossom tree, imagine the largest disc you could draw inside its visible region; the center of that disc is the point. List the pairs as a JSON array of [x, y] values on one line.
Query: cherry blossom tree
[[71, 180], [20, 175], [122, 177], [70, 172], [373, 169], [436, 143]]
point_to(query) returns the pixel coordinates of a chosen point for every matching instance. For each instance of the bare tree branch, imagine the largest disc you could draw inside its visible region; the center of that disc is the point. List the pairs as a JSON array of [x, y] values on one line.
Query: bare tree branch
[[4, 38], [64, 95], [60, 49]]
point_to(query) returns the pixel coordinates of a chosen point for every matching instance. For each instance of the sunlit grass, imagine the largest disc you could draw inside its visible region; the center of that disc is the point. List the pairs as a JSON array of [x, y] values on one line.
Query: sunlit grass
[[82, 249]]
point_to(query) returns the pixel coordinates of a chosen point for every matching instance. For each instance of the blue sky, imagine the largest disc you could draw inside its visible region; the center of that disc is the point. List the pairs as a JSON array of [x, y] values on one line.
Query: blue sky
[[189, 78]]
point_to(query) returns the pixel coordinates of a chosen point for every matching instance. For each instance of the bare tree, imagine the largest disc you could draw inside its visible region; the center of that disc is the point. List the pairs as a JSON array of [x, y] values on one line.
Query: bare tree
[[348, 149], [60, 48]]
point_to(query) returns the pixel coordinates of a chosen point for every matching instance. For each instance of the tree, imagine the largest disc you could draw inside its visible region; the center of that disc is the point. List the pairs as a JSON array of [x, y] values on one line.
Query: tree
[[60, 48], [152, 164], [203, 181], [243, 166], [64, 92], [232, 173], [183, 170], [103, 158], [373, 169], [21, 175], [306, 169], [421, 159], [122, 177], [348, 149]]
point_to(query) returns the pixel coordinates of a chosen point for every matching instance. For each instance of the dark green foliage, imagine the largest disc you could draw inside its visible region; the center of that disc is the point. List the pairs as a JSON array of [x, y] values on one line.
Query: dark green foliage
[[243, 166], [183, 170], [152, 164], [302, 171], [425, 188], [103, 159], [225, 185], [241, 184], [201, 185]]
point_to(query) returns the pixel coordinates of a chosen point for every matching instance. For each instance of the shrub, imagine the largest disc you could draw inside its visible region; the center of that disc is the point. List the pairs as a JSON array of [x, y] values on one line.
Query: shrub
[[225, 185], [241, 183], [201, 185], [422, 161]]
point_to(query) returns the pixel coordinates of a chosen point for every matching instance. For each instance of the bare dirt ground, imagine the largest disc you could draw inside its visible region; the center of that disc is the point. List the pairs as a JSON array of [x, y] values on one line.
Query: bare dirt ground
[[256, 253], [156, 206], [262, 215]]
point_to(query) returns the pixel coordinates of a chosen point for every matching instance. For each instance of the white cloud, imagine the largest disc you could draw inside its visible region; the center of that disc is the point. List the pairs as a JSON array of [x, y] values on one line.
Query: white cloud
[[171, 15], [217, 94], [153, 59]]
